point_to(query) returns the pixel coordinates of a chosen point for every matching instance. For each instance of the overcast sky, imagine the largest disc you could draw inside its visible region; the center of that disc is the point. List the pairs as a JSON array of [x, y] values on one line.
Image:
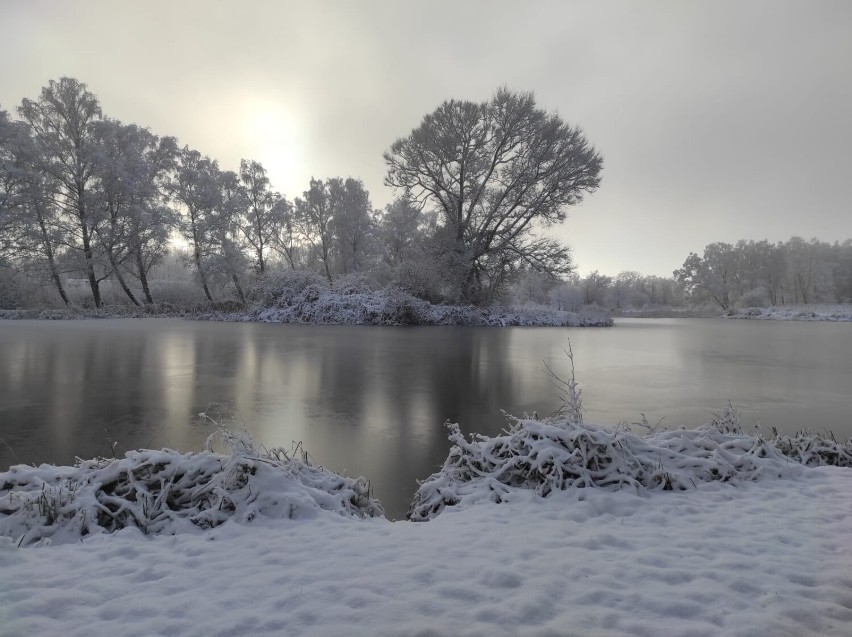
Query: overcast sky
[[717, 120]]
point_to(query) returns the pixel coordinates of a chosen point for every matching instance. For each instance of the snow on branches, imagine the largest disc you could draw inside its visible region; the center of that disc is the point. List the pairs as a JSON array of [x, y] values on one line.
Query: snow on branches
[[167, 492], [562, 452]]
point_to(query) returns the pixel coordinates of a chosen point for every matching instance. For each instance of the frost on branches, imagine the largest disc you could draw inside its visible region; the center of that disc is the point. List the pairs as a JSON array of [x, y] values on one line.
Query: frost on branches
[[304, 297], [562, 452], [167, 492]]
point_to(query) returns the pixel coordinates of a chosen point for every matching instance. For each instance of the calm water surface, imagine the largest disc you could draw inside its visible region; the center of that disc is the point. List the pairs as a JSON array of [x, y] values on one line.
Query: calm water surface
[[372, 401]]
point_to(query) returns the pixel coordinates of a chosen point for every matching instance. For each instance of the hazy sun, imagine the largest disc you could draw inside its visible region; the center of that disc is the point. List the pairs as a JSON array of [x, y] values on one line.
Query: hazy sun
[[271, 131]]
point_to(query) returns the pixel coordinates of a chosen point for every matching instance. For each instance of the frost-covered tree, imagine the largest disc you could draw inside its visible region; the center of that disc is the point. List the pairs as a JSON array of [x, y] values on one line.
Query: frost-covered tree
[[195, 187], [30, 227], [285, 240], [29, 236], [264, 213], [399, 232], [152, 220], [711, 276], [624, 288], [353, 225], [842, 272], [117, 170], [226, 228], [131, 166], [567, 295], [810, 270], [9, 173], [497, 172], [62, 123], [595, 288], [314, 219]]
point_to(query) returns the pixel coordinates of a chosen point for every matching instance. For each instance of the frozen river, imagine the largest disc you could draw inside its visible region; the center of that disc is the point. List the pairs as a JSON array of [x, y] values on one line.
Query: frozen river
[[372, 401]]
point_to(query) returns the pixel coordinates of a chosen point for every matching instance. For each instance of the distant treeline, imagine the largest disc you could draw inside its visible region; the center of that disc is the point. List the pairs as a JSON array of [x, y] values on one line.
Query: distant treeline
[[744, 274]]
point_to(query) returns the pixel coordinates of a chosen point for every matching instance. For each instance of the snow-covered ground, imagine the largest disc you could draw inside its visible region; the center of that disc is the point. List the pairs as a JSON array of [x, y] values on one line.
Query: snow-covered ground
[[686, 532], [840, 312], [772, 557]]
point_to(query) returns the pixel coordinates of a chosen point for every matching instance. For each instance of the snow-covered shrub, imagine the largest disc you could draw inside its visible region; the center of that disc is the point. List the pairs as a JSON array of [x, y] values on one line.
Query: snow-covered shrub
[[354, 283], [557, 454], [814, 450], [305, 297], [167, 492], [281, 288]]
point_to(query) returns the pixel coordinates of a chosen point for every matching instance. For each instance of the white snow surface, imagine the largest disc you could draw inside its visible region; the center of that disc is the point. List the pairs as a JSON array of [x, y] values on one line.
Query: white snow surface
[[771, 557], [757, 542]]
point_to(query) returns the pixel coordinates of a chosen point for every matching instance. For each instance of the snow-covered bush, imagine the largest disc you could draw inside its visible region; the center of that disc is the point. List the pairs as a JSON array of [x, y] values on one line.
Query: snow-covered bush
[[299, 297], [557, 454], [280, 288], [354, 283], [562, 452], [824, 312], [814, 450], [167, 492]]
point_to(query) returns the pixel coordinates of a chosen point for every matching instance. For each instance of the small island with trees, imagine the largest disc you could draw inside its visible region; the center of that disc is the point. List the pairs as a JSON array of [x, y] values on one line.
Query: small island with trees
[[99, 213]]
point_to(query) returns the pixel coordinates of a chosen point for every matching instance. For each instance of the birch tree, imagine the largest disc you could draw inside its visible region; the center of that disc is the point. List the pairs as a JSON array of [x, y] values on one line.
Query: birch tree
[[62, 124]]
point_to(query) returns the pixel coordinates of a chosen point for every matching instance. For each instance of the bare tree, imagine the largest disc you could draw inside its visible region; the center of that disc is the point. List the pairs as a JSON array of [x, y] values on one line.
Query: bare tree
[[497, 172]]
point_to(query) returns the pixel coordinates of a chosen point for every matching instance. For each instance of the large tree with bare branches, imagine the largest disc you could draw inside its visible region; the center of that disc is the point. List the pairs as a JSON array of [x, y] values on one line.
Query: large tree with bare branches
[[497, 173]]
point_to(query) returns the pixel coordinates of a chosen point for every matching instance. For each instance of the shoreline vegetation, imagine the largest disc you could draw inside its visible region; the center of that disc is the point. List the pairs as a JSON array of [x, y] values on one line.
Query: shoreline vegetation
[[395, 308], [168, 492], [305, 298], [554, 523]]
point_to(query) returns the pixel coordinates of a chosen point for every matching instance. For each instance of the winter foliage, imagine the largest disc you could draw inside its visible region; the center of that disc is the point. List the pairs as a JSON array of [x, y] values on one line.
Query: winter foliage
[[562, 452], [168, 492], [302, 297], [833, 313], [88, 201]]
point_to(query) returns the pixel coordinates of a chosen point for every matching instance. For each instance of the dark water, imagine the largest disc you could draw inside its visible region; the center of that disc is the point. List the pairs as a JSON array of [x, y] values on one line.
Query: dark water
[[372, 401]]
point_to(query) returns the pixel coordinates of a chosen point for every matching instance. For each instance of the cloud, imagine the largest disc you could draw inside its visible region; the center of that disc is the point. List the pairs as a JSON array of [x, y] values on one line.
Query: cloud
[[717, 120]]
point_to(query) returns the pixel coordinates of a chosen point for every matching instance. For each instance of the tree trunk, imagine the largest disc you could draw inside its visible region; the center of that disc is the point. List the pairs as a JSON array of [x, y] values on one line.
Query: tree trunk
[[239, 288], [90, 267], [201, 275], [51, 262], [143, 277], [261, 264], [87, 247], [197, 255], [120, 278]]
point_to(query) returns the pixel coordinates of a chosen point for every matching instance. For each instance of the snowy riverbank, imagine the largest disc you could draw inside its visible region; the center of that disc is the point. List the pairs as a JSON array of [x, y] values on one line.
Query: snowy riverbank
[[765, 558], [687, 532], [836, 313], [317, 305]]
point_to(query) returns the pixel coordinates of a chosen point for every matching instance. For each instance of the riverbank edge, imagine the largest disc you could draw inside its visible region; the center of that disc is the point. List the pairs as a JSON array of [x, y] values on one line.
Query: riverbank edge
[[835, 314], [367, 315]]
